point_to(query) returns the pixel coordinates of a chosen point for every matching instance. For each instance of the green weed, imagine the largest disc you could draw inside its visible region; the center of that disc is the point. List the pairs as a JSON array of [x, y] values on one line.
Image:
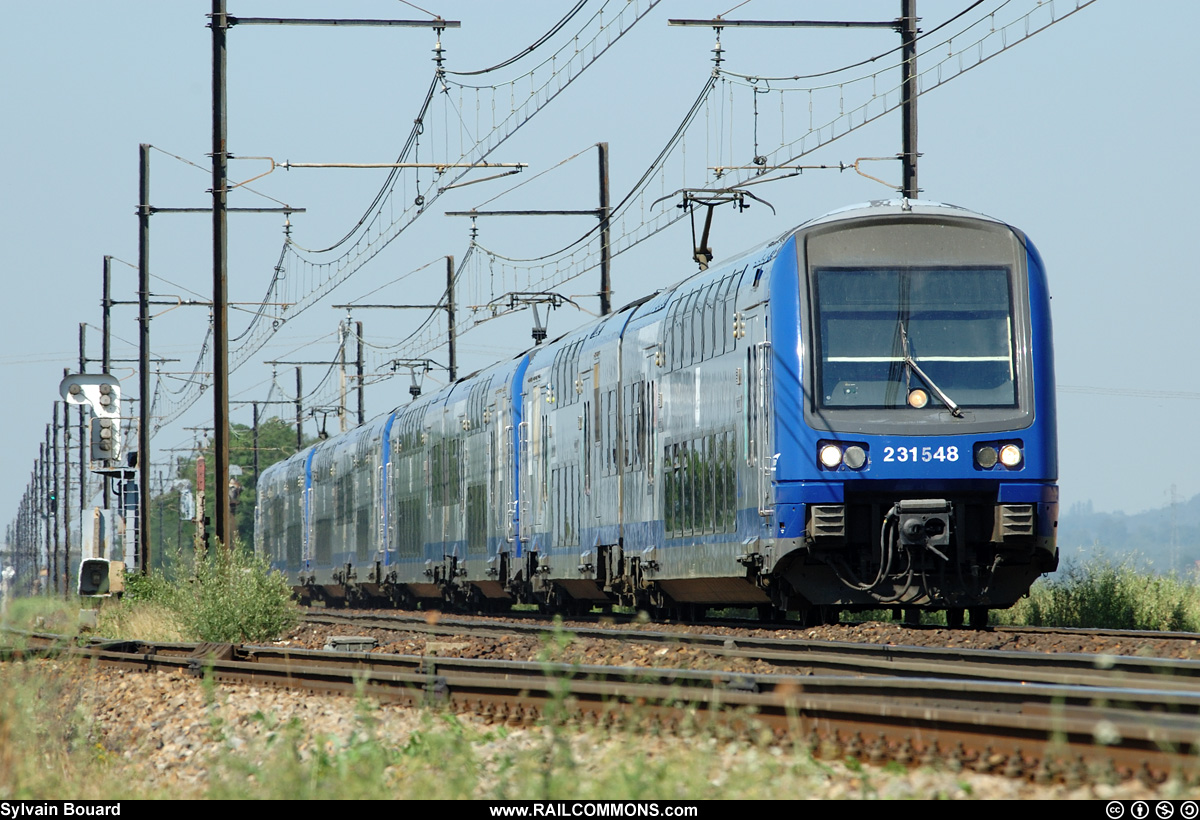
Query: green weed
[[1098, 592], [224, 596]]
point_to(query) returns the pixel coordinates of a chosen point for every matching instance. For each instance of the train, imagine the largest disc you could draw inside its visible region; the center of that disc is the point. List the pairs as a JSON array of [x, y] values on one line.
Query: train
[[856, 415]]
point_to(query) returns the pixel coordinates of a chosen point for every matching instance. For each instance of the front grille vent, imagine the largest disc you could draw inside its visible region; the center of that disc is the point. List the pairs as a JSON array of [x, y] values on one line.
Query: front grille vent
[[1015, 521], [828, 522]]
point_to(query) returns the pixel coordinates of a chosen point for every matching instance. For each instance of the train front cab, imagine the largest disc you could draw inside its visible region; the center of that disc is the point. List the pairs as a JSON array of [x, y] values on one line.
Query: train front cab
[[915, 415]]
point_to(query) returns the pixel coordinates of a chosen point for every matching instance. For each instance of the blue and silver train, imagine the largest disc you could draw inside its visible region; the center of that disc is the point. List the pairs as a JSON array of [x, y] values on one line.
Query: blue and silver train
[[859, 414]]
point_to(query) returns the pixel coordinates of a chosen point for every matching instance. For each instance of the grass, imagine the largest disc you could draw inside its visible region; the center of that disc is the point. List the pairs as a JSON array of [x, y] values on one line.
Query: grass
[[41, 614], [233, 596], [53, 742], [50, 746], [1097, 591], [39, 740], [228, 596]]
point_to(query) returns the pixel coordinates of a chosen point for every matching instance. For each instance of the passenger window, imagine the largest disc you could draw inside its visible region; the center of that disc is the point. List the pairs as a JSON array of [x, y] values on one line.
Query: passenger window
[[672, 336], [693, 327], [711, 321], [610, 402], [669, 492]]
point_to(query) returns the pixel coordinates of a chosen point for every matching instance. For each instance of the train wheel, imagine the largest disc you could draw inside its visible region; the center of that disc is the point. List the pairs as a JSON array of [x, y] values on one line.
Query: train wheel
[[820, 616], [912, 616], [955, 616], [769, 613], [979, 616]]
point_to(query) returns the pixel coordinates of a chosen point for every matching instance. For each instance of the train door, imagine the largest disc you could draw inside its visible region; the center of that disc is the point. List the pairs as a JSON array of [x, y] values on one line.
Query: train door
[[506, 479], [459, 530], [535, 413], [525, 460], [306, 552], [433, 487], [758, 418], [588, 429], [383, 535], [648, 432], [493, 467]]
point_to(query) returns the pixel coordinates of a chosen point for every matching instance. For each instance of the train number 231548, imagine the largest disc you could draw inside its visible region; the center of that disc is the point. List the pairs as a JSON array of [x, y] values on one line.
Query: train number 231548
[[920, 454]]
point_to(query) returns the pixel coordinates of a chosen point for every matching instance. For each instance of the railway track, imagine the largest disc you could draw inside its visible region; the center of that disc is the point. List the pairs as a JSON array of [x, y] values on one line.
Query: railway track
[[1090, 632], [383, 618], [1043, 731], [822, 657]]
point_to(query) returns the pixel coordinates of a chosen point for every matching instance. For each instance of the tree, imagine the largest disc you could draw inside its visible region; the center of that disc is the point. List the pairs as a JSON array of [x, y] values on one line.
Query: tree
[[276, 441]]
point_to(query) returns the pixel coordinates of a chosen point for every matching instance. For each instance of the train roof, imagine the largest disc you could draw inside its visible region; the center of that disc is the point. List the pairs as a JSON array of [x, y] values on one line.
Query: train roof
[[873, 208], [889, 207]]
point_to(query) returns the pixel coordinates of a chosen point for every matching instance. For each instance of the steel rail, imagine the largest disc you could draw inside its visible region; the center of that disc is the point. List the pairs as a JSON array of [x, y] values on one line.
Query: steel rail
[[847, 658], [1035, 731], [1096, 632]]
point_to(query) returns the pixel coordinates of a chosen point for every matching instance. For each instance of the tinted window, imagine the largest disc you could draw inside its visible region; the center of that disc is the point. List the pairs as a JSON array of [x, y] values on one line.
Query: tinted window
[[954, 323]]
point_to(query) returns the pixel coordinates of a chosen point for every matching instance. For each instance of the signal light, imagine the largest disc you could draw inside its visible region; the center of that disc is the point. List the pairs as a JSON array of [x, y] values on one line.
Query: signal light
[[93, 577], [101, 392], [105, 438]]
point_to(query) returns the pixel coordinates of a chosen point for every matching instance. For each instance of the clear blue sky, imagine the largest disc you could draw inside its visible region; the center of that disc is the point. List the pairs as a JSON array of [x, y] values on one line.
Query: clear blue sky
[[1082, 136]]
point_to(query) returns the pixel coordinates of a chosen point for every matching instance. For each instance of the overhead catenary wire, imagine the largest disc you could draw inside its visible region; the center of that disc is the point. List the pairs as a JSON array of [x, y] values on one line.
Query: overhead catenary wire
[[483, 146], [399, 278], [389, 182], [754, 79], [267, 299], [929, 77], [833, 71], [319, 282], [538, 43], [617, 248], [208, 171], [638, 186], [370, 244]]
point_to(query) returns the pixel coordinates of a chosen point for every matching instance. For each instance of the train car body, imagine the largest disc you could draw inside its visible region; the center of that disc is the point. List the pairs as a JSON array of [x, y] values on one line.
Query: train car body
[[858, 414]]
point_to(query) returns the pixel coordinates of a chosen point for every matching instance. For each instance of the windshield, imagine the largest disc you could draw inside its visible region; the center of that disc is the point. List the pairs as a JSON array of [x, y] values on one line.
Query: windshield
[[885, 332]]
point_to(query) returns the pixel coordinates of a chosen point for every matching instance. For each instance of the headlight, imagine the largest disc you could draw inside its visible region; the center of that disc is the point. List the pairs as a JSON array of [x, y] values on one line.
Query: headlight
[[1010, 455], [986, 457], [855, 457], [918, 398], [831, 456]]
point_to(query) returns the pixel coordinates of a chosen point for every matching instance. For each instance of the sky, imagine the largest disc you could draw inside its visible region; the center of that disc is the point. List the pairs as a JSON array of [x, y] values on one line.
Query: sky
[[1081, 135]]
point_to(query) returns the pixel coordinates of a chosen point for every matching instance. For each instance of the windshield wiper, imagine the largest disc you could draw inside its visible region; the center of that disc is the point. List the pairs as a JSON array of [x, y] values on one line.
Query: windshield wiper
[[908, 360]]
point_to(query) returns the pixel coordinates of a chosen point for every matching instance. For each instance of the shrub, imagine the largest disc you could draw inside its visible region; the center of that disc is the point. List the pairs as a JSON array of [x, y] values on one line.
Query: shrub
[[226, 596], [1099, 593]]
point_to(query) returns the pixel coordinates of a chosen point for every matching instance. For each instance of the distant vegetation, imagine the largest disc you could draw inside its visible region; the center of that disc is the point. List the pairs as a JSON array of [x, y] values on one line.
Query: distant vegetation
[[1098, 592], [1095, 591], [1166, 539], [276, 441]]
